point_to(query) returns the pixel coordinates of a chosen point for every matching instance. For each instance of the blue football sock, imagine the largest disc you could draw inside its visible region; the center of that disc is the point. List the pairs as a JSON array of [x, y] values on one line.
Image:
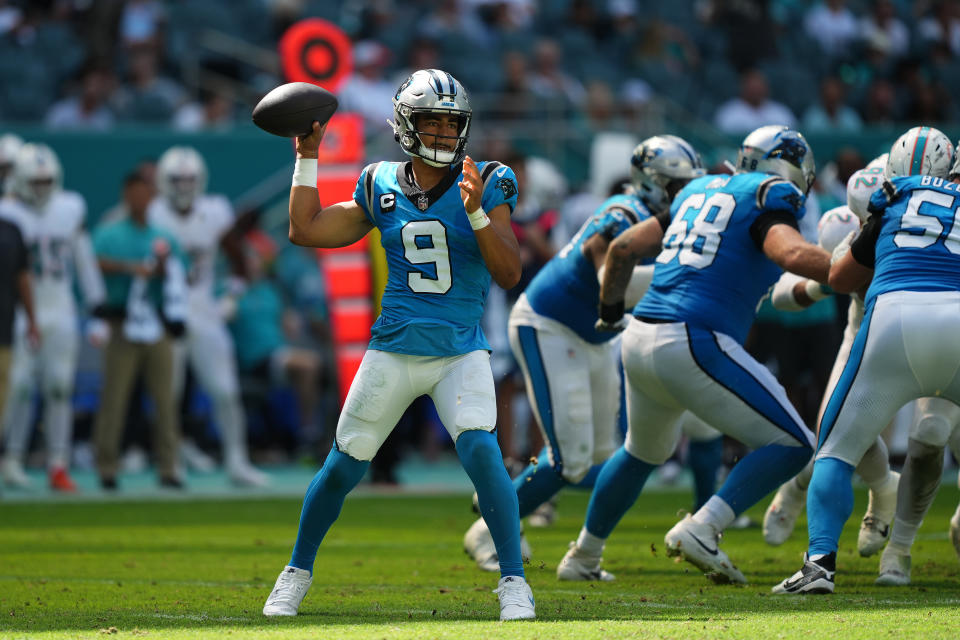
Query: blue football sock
[[760, 472], [617, 488], [704, 458], [829, 504], [322, 504], [483, 462], [537, 484]]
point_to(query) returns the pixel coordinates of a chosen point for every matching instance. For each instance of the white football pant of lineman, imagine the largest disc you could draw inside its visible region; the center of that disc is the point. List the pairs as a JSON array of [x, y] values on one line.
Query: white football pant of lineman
[[54, 364], [873, 468], [905, 357], [574, 387], [208, 347], [935, 425]]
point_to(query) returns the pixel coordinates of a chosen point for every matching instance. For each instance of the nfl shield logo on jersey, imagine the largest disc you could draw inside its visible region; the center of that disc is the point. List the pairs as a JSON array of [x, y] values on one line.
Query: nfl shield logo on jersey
[[423, 202]]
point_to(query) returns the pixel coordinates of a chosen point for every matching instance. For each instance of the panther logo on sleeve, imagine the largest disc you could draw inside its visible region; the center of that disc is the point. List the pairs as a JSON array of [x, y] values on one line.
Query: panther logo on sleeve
[[508, 187]]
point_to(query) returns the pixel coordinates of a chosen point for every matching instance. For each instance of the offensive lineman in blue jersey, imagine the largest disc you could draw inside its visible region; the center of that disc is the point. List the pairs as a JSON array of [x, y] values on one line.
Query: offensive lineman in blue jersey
[[910, 247], [723, 244], [570, 368], [445, 226]]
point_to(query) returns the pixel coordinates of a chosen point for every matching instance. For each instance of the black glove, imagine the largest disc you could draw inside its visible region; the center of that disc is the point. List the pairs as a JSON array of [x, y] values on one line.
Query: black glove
[[611, 318]]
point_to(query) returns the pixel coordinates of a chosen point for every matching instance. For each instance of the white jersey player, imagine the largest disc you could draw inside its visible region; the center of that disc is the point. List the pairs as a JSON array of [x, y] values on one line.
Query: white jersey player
[[200, 222], [9, 146], [51, 221]]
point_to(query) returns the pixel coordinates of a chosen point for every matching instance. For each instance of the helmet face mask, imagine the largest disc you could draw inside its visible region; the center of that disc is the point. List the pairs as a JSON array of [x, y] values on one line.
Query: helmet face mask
[[36, 175], [425, 92], [660, 166], [181, 176], [781, 151]]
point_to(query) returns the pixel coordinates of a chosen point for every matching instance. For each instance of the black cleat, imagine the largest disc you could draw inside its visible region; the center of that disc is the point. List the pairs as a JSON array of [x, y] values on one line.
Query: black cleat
[[813, 577]]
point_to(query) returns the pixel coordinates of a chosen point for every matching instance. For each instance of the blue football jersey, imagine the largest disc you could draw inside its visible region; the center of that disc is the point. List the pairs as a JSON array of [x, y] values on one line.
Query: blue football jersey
[[710, 272], [566, 288], [437, 280], [917, 237]]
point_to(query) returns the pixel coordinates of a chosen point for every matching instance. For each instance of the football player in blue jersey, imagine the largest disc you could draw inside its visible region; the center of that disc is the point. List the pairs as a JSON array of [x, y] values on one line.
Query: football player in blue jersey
[[909, 254], [570, 368], [444, 222], [721, 246]]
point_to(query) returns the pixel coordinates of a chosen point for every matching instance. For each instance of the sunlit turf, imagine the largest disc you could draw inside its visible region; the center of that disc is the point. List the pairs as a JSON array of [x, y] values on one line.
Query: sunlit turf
[[393, 567]]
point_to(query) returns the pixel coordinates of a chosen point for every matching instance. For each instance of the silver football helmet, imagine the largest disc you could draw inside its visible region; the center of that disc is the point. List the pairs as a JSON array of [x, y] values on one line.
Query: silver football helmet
[[181, 176], [779, 150], [36, 175], [920, 151], [660, 166], [431, 91]]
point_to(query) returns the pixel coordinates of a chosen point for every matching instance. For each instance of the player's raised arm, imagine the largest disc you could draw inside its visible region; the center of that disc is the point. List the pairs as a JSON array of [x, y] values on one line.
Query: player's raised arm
[[312, 224], [640, 241], [498, 245]]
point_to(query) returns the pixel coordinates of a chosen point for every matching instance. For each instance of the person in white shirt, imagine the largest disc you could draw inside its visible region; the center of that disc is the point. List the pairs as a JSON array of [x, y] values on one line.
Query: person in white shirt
[[754, 108]]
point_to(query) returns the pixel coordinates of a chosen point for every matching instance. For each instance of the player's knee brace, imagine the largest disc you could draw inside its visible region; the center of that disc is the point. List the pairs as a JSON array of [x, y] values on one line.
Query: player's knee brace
[[933, 430]]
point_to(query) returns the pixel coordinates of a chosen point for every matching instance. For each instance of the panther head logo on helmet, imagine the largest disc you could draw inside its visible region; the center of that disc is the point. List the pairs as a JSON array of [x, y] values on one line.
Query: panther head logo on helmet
[[660, 167]]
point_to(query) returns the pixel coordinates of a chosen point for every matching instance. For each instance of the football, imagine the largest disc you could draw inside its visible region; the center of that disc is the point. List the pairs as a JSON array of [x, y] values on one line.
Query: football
[[290, 109]]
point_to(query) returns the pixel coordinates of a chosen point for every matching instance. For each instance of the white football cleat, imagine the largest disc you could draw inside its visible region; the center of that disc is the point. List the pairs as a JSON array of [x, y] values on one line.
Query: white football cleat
[[955, 531], [244, 474], [697, 543], [516, 599], [14, 474], [875, 527], [288, 592], [478, 544], [576, 566], [782, 514], [894, 568]]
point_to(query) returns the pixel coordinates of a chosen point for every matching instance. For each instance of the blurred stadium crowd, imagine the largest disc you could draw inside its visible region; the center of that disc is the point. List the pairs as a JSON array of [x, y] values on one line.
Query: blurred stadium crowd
[[562, 90]]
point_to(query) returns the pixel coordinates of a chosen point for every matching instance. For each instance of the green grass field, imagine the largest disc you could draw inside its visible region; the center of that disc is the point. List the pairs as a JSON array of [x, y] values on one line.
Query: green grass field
[[393, 567]]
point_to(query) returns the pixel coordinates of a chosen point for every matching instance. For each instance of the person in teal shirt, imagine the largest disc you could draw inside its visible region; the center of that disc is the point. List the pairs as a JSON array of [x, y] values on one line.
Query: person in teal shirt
[[146, 305]]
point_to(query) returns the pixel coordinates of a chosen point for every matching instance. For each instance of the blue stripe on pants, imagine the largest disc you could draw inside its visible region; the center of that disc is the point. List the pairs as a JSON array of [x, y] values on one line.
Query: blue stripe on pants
[[850, 371], [541, 389], [729, 374]]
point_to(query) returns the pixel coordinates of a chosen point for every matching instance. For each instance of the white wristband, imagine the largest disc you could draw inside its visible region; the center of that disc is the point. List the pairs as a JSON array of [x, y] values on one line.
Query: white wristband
[[305, 173], [815, 290], [478, 219]]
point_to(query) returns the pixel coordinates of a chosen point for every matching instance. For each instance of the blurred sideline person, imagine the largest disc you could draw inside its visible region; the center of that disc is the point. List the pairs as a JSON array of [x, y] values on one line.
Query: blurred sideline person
[[15, 287], [793, 292], [445, 226], [51, 220], [202, 223], [721, 247], [570, 369], [9, 146], [907, 255], [146, 307]]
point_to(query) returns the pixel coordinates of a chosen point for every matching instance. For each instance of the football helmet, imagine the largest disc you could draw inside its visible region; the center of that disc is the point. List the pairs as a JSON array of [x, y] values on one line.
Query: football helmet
[[779, 150], [431, 91], [660, 166], [834, 226], [920, 151], [181, 176], [36, 175], [879, 162]]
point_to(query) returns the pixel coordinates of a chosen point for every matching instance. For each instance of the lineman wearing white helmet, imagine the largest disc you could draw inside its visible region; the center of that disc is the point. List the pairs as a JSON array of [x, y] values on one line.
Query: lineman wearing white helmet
[[51, 220], [202, 223]]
